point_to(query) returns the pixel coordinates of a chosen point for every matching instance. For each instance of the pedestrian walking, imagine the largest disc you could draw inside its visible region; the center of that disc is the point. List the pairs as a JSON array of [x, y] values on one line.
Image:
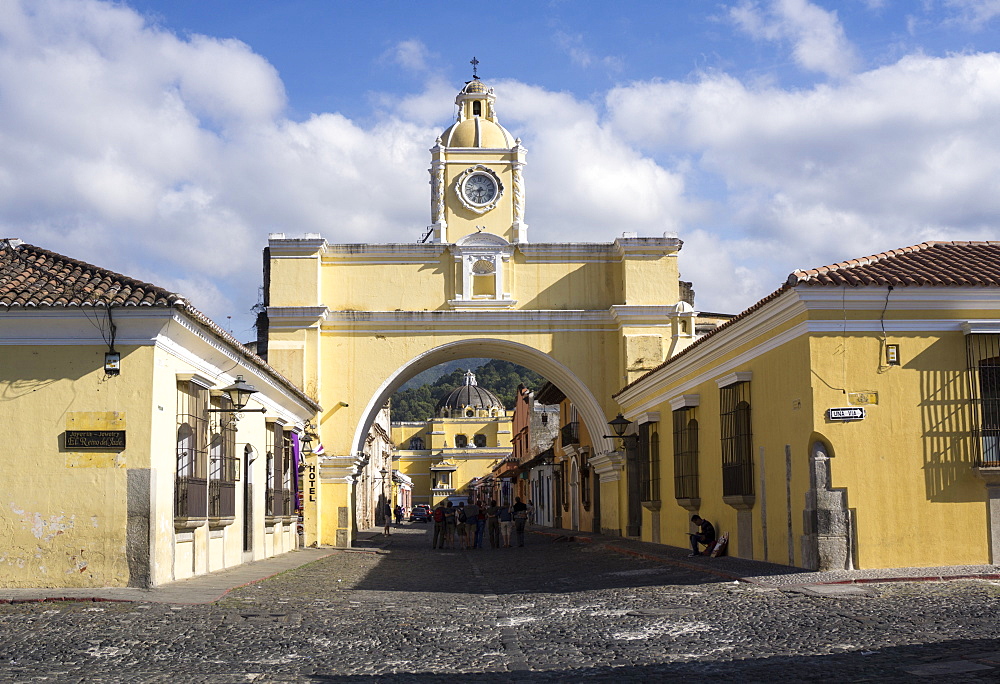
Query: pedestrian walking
[[493, 524], [520, 512], [471, 523], [437, 541], [506, 518], [449, 525], [387, 517], [399, 515], [460, 525]]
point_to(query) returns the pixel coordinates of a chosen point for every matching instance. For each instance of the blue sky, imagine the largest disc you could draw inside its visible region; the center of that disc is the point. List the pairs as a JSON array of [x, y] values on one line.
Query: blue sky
[[167, 138]]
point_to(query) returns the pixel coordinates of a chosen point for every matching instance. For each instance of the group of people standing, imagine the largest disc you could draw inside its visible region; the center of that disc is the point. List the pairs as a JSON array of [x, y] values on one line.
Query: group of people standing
[[465, 525]]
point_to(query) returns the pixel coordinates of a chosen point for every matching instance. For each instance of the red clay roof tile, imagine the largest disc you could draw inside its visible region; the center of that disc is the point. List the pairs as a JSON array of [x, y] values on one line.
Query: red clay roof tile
[[34, 277]]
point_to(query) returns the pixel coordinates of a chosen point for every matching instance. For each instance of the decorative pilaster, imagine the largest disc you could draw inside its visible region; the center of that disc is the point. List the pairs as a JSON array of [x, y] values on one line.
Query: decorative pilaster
[[438, 223], [520, 228]]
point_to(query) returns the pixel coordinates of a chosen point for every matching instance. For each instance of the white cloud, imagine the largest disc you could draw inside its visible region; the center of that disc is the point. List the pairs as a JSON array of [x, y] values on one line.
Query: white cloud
[[171, 159], [887, 158], [583, 57], [975, 13], [818, 40], [411, 54]]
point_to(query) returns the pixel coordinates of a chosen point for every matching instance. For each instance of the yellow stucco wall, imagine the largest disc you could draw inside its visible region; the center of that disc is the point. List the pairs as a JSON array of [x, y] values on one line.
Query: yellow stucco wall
[[63, 512], [909, 462], [906, 468]]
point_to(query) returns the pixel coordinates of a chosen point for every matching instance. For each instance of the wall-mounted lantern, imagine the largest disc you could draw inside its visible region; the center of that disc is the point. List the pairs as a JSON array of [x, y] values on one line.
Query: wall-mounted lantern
[[619, 425], [239, 394]]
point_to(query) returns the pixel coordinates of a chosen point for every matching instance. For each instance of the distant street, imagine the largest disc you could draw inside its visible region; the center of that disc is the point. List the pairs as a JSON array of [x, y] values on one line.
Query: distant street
[[552, 611]]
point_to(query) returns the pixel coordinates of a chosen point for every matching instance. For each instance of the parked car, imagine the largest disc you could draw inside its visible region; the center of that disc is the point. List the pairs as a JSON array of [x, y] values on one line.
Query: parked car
[[420, 513]]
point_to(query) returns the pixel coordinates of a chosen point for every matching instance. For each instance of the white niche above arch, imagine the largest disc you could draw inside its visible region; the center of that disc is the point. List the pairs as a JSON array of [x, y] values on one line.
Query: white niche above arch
[[480, 258]]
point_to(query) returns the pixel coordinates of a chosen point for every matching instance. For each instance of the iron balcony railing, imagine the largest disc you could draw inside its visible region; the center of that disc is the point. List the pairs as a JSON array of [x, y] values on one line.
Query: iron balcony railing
[[190, 497], [221, 499], [570, 433]]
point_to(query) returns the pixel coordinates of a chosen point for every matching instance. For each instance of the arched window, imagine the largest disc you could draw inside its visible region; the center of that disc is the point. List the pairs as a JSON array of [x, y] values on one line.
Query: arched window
[[190, 479], [477, 108], [461, 441], [479, 440], [737, 440], [685, 454], [417, 443], [470, 413]]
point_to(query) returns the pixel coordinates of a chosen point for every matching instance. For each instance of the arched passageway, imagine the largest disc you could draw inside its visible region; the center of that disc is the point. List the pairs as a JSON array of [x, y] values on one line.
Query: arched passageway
[[582, 397]]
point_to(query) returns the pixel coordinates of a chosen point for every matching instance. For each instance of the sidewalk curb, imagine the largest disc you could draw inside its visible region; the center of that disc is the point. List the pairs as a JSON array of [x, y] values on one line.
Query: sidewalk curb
[[727, 575]]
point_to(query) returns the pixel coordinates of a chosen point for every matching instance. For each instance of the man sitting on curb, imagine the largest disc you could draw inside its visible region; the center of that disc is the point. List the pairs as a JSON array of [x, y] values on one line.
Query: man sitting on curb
[[706, 536]]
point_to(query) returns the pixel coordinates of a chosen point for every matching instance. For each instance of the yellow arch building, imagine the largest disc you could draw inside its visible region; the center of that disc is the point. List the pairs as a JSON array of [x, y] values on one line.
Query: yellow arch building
[[350, 323]]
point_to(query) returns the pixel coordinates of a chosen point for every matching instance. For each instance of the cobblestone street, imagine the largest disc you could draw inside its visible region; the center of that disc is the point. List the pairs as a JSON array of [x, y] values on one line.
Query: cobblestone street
[[552, 611]]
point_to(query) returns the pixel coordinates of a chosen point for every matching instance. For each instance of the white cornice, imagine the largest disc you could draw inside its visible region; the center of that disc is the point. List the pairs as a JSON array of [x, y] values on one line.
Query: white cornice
[[647, 417], [481, 304], [981, 327], [733, 378], [297, 316], [282, 247], [651, 247], [643, 315], [900, 298], [684, 401]]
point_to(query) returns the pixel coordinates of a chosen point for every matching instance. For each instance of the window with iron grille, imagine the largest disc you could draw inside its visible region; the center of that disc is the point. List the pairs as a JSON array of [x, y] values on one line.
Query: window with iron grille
[[649, 462], [737, 440], [191, 484], [984, 389], [286, 478], [222, 461], [479, 440], [585, 478], [685, 454], [461, 441], [273, 499]]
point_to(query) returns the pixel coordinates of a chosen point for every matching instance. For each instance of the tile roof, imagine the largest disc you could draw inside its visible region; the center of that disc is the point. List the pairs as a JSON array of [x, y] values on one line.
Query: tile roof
[[929, 264], [32, 277]]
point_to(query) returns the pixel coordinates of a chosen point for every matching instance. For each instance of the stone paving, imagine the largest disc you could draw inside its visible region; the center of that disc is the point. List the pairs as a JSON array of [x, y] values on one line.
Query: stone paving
[[554, 610]]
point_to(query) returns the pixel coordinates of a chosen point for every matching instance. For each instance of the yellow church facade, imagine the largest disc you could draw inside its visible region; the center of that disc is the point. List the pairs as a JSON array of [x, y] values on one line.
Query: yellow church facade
[[848, 420], [445, 455], [350, 323]]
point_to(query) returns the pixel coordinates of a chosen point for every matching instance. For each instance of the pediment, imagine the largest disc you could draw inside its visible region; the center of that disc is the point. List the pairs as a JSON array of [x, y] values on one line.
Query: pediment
[[482, 239]]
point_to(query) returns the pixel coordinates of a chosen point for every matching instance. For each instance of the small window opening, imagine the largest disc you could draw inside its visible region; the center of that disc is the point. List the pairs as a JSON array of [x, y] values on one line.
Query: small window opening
[[477, 108]]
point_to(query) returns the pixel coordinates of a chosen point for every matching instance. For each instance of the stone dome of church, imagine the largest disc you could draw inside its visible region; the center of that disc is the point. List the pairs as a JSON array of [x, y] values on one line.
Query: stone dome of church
[[475, 86], [477, 132], [469, 397]]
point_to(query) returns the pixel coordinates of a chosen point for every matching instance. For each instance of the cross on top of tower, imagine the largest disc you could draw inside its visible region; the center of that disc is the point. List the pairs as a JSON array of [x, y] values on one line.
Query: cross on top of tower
[[475, 65]]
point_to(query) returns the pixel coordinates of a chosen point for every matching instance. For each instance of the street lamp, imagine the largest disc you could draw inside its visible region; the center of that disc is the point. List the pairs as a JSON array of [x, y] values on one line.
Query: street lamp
[[619, 425], [239, 394], [308, 434], [386, 507]]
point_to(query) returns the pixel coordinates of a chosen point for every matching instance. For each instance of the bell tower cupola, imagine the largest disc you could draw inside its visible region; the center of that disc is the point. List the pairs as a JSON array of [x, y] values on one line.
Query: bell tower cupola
[[477, 181]]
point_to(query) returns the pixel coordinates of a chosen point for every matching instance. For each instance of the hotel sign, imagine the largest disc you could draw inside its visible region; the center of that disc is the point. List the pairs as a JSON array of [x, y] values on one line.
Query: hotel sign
[[847, 413], [95, 439]]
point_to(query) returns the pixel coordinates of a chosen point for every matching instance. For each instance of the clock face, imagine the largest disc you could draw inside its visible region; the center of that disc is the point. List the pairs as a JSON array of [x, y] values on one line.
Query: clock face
[[479, 188]]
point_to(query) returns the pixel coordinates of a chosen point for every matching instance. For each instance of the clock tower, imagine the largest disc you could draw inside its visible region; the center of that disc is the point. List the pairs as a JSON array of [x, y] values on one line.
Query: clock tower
[[477, 182]]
